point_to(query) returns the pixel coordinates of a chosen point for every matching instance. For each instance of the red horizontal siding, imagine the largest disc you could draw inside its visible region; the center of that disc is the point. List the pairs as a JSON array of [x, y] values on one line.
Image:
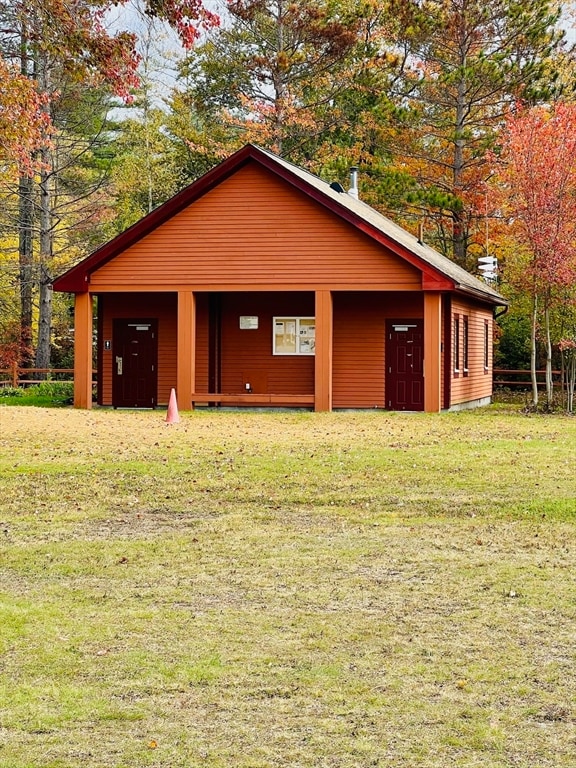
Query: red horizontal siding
[[358, 352], [476, 384], [255, 230], [359, 344], [202, 344], [154, 305], [247, 356]]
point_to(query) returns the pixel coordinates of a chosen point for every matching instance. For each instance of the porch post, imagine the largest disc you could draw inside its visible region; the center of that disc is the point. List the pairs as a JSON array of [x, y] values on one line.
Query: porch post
[[83, 350], [323, 353], [432, 351], [186, 349]]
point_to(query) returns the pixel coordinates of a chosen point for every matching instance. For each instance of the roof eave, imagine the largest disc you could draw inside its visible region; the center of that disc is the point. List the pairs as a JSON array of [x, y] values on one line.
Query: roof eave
[[77, 279], [498, 301]]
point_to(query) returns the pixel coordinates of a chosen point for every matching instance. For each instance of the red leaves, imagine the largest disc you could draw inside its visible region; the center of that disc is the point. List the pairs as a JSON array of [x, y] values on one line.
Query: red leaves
[[114, 61], [73, 35], [186, 16], [539, 153]]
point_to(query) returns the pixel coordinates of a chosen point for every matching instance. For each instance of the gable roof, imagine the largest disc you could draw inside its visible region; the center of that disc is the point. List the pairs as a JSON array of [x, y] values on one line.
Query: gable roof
[[436, 268]]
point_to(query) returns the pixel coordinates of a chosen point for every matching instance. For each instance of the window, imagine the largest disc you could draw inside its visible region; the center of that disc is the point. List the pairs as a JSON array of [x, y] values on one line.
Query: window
[[294, 335], [457, 344], [486, 347], [465, 345]]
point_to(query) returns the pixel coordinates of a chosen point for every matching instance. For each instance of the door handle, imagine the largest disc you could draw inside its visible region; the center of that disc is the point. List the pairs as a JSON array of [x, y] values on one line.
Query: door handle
[[119, 366]]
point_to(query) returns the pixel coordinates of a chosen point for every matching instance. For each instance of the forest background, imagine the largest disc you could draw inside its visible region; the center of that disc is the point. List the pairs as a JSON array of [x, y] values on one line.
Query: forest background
[[459, 114]]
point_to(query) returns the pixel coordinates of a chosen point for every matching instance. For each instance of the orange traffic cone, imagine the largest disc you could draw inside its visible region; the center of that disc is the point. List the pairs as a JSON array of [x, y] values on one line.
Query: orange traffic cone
[[172, 416]]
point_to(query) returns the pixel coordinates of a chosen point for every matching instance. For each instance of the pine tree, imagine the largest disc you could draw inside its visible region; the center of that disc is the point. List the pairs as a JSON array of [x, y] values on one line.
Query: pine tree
[[462, 63]]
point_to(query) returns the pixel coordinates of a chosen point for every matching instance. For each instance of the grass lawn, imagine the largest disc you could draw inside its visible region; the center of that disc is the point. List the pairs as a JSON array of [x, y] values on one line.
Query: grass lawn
[[258, 590]]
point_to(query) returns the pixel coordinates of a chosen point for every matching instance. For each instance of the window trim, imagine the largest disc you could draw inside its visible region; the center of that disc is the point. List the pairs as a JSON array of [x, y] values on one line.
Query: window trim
[[296, 319], [486, 346], [466, 344], [456, 360]]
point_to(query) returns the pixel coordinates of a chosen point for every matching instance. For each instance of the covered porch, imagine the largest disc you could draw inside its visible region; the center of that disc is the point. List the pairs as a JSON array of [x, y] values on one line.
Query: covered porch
[[218, 347]]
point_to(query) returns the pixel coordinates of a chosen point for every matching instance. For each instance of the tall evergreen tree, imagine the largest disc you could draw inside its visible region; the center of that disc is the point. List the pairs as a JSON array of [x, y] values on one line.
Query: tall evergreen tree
[[462, 63], [274, 71]]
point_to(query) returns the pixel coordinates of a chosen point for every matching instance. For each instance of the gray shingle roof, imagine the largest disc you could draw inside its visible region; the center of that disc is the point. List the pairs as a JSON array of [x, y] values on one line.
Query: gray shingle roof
[[463, 280]]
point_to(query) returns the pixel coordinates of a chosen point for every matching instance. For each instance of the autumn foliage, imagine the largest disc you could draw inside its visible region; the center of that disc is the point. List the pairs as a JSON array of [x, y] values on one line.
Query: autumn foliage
[[537, 197], [23, 122], [76, 36], [539, 149]]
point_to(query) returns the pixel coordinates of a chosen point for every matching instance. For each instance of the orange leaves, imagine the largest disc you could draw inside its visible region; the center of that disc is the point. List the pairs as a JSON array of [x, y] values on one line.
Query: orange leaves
[[24, 124], [77, 35], [74, 35]]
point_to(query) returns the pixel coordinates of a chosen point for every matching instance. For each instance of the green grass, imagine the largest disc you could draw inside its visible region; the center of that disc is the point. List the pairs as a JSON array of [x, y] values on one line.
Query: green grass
[[45, 394], [287, 589]]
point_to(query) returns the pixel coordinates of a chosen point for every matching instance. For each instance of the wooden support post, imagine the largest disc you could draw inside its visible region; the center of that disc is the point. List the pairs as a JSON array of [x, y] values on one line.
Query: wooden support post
[[447, 350], [432, 351], [323, 354], [186, 351], [83, 350]]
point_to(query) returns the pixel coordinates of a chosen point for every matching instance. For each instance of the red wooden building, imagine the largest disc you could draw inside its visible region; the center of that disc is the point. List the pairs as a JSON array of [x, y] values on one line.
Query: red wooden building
[[260, 284]]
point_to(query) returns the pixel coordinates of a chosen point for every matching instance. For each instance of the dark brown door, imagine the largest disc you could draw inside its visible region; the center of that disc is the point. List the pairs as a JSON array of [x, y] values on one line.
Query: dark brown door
[[405, 365], [135, 363]]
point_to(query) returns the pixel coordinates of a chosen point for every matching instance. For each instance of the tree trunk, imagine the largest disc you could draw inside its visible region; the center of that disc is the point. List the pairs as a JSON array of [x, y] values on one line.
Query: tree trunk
[[46, 247], [45, 321], [570, 378], [533, 351], [45, 261], [279, 85], [459, 236], [25, 239], [25, 266], [549, 382], [146, 105]]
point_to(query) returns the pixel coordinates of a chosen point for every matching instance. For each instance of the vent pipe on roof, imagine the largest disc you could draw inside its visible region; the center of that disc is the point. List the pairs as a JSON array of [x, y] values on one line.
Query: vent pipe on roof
[[353, 191], [421, 232]]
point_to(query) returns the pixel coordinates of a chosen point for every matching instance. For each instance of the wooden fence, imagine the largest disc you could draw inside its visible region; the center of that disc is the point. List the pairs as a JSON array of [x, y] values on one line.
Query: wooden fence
[[520, 378], [23, 377]]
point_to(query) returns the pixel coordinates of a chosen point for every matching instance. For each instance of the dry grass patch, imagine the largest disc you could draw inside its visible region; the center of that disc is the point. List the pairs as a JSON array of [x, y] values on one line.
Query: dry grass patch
[[291, 589]]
